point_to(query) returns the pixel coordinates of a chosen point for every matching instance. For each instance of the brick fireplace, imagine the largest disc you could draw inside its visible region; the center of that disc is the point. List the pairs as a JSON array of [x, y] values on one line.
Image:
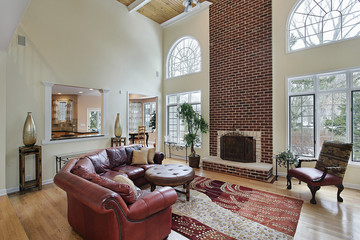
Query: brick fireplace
[[241, 72]]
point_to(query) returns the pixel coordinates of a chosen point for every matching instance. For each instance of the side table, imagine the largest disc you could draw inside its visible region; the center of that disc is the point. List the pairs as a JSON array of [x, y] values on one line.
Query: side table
[[118, 141], [23, 152]]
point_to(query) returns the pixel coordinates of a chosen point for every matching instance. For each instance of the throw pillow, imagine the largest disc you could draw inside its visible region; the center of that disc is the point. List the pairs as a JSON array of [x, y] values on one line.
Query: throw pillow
[[125, 180], [151, 154], [140, 157]]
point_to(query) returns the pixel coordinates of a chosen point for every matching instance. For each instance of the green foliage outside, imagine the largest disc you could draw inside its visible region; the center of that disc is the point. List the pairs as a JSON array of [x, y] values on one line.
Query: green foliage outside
[[194, 123]]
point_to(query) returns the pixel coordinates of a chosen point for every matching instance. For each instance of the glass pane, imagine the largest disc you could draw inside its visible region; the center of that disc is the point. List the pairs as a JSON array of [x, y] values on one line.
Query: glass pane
[[184, 98], [356, 79], [195, 97], [336, 81], [301, 85], [172, 99], [356, 126], [302, 125]]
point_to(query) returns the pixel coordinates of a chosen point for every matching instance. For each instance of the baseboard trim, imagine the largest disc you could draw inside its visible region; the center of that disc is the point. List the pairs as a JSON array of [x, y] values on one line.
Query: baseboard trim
[[2, 192], [351, 185], [17, 189]]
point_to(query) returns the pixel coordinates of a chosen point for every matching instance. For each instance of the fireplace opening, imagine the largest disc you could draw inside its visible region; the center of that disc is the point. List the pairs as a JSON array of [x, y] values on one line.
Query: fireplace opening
[[238, 148]]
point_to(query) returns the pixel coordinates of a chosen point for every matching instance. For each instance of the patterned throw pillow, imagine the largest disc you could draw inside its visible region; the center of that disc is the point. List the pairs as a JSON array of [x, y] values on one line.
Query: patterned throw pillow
[[125, 180]]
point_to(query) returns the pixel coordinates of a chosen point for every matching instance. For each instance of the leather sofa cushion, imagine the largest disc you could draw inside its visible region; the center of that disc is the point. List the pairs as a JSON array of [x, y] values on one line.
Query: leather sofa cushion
[[147, 166], [124, 190], [132, 171], [309, 174], [100, 161], [84, 164], [117, 156]]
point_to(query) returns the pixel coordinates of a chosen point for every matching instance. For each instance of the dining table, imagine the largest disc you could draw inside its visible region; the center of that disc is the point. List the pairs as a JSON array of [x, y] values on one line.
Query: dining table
[[134, 134]]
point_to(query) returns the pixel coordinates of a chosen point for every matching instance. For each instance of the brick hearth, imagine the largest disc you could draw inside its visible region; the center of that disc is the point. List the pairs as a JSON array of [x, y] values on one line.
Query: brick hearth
[[257, 171]]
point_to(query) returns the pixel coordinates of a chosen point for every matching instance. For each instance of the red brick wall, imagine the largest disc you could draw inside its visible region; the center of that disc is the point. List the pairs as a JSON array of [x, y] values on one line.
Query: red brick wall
[[241, 70]]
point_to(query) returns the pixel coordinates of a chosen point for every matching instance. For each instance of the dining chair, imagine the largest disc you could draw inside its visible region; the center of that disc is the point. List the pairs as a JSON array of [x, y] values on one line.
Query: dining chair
[[141, 137]]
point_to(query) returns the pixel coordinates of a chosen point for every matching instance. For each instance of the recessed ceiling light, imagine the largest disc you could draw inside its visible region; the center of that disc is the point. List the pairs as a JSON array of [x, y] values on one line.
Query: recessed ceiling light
[[91, 89], [59, 93], [80, 92]]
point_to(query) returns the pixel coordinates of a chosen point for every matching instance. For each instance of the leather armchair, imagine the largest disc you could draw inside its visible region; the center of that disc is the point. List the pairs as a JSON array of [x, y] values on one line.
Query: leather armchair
[[96, 212], [329, 170]]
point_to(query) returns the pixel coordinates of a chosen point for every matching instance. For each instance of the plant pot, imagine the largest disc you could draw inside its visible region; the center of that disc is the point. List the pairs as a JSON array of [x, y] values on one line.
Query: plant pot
[[194, 161]]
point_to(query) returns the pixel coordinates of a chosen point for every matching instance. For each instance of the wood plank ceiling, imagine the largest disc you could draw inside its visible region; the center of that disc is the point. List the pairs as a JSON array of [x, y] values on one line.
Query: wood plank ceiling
[[160, 11]]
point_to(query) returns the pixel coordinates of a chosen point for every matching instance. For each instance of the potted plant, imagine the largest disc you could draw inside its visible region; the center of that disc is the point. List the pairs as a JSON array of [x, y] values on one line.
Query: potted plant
[[286, 157], [195, 125]]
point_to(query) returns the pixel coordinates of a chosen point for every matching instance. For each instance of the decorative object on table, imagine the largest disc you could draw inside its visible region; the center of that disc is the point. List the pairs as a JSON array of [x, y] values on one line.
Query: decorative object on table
[[188, 4], [117, 127], [329, 169], [195, 124], [152, 124], [244, 213], [29, 131], [285, 159]]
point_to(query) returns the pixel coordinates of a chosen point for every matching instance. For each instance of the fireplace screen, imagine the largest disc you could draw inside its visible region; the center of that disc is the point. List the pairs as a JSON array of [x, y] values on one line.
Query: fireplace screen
[[238, 148]]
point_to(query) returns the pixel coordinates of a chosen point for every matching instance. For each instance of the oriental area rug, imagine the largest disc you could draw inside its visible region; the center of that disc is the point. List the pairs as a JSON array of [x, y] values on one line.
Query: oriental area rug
[[220, 210]]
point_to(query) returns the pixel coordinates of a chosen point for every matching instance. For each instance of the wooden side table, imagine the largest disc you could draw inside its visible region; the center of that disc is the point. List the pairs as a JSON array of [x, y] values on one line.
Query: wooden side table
[[118, 141], [23, 152]]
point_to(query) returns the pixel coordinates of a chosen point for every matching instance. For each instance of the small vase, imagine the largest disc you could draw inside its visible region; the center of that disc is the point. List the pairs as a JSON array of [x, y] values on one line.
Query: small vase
[[29, 132], [117, 127]]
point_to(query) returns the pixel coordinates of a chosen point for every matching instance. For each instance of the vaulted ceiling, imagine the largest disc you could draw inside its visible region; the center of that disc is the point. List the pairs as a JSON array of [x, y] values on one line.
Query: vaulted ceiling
[[159, 11]]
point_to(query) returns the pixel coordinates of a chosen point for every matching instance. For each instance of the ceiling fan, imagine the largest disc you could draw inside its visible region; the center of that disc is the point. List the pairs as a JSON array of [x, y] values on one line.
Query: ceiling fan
[[188, 4]]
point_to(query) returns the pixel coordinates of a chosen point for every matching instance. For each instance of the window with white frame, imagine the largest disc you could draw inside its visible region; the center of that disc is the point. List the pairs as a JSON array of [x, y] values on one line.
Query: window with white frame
[[184, 58], [149, 112], [175, 127], [324, 107], [314, 22], [94, 119], [135, 116]]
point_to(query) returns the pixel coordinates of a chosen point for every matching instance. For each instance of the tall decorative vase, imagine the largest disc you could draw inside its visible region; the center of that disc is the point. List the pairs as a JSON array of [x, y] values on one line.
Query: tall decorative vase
[[29, 131], [117, 127]]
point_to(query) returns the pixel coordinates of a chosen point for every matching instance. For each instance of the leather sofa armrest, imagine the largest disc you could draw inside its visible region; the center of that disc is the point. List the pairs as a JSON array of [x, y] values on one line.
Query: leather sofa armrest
[[90, 194], [159, 157], [152, 203]]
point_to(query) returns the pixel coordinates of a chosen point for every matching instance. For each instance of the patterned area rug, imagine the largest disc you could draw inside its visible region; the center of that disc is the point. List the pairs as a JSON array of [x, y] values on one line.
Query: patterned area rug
[[219, 210]]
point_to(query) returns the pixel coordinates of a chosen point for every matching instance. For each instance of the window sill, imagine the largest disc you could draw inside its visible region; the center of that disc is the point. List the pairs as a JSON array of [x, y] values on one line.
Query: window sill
[[101, 137], [354, 164]]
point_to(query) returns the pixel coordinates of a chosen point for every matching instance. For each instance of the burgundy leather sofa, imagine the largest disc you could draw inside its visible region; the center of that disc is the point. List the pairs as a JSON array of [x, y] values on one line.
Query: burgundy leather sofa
[[96, 212]]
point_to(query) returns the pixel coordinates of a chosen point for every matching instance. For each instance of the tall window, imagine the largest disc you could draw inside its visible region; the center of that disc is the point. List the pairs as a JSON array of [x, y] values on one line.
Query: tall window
[[324, 107], [184, 58], [315, 22], [94, 119], [149, 112], [135, 116], [175, 126]]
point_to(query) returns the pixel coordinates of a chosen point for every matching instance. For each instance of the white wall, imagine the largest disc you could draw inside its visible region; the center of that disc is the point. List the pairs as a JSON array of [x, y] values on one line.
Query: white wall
[[327, 58], [87, 43], [196, 26], [3, 56]]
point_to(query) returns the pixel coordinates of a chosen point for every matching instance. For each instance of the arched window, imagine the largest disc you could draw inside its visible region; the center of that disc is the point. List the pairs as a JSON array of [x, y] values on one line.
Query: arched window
[[184, 57], [317, 22]]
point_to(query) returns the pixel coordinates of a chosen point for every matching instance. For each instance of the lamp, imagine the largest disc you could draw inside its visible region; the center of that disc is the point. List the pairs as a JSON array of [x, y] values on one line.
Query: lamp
[[188, 4]]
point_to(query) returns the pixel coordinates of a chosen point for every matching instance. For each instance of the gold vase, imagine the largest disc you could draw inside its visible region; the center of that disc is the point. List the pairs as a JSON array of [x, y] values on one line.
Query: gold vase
[[117, 127], [29, 131]]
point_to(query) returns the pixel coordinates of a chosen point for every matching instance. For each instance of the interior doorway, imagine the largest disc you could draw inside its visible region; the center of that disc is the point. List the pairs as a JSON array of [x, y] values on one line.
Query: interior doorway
[[143, 111]]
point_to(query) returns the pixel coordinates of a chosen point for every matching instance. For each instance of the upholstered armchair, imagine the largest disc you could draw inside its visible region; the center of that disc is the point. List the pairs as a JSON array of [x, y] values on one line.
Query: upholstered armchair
[[329, 170]]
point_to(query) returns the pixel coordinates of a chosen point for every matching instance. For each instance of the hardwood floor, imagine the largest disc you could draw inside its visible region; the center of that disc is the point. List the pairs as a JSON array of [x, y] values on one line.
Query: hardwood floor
[[43, 213]]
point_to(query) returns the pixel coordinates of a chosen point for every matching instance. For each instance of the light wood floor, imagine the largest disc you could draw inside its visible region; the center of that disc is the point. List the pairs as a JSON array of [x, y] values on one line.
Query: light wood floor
[[42, 214]]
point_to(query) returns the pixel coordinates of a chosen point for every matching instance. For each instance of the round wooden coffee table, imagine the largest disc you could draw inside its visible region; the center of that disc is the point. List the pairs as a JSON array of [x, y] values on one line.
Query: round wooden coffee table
[[171, 175]]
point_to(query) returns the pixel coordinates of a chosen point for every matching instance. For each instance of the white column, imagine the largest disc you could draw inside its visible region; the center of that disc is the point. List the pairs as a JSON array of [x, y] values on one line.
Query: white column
[[48, 110]]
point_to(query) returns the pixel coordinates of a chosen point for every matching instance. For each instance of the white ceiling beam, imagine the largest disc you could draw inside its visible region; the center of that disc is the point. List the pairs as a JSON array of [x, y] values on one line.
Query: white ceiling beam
[[137, 5]]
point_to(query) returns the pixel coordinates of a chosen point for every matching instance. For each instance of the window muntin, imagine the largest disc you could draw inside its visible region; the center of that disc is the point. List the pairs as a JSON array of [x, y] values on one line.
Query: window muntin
[[149, 111], [184, 58], [314, 22], [333, 119], [175, 127], [135, 116]]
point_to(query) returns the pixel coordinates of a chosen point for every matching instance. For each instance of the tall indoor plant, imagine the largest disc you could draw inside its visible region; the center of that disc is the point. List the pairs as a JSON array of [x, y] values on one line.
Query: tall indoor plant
[[195, 125]]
